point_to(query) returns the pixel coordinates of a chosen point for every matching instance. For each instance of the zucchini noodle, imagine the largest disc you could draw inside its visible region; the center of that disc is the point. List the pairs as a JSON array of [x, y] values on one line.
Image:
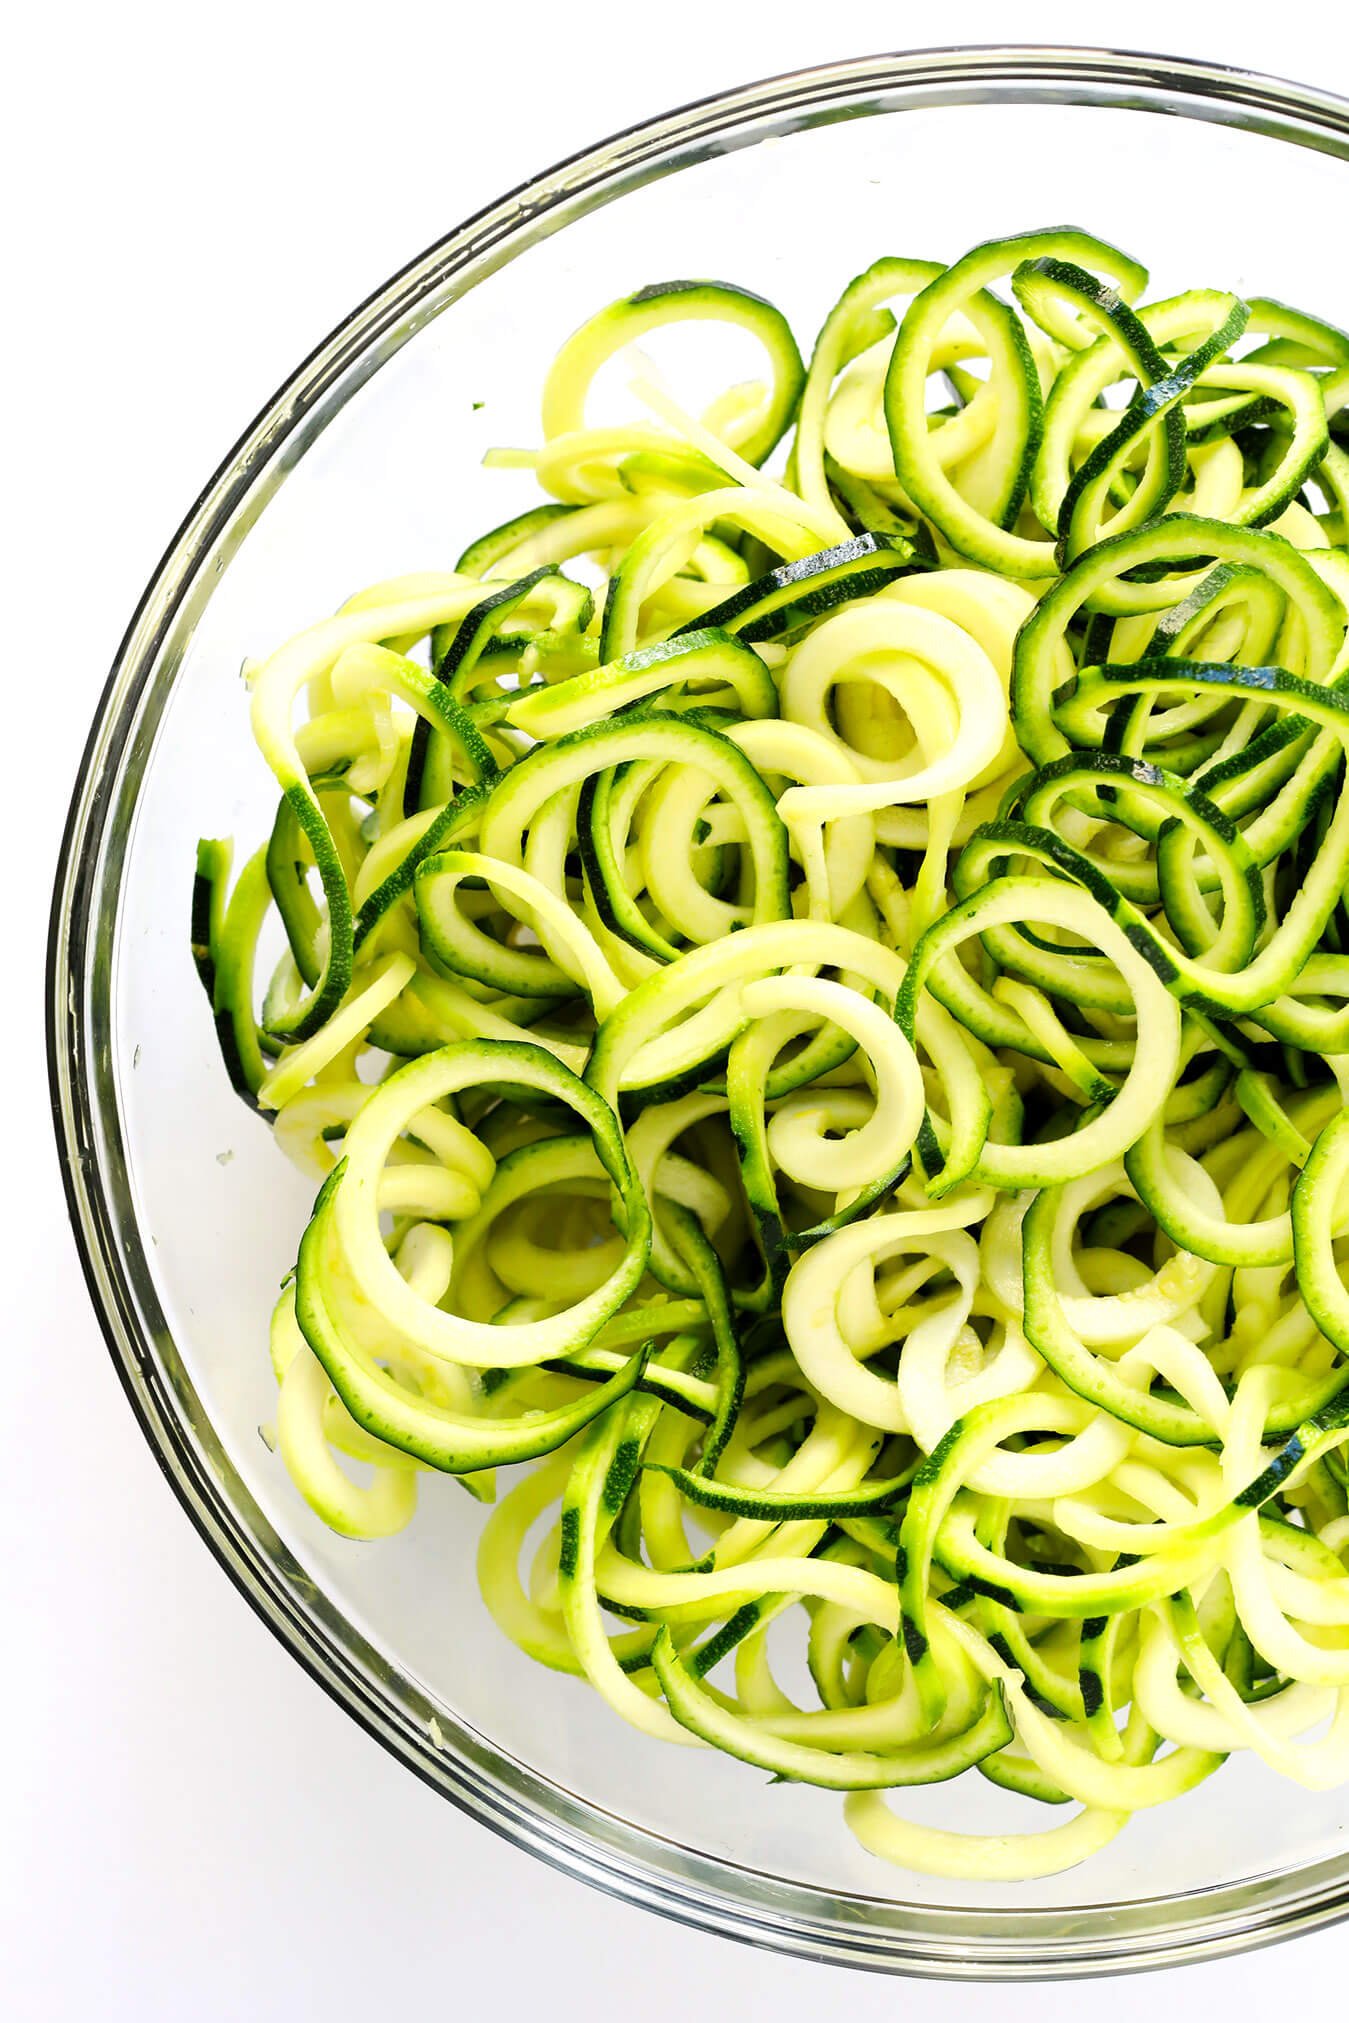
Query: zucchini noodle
[[827, 1039]]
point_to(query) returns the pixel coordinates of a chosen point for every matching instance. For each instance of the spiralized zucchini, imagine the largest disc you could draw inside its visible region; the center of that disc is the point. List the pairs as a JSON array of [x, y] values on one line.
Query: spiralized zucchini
[[819, 1004]]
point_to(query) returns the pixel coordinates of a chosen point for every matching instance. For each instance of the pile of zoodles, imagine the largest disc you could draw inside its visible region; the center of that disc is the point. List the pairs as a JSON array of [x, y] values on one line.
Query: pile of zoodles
[[820, 1004]]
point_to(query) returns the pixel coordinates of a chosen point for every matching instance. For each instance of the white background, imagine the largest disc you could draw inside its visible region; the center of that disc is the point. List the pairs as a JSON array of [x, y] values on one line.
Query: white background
[[189, 1828]]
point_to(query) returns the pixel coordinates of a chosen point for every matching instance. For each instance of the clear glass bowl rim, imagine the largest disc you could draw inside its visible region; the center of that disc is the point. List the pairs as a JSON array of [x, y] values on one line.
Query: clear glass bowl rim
[[863, 1931]]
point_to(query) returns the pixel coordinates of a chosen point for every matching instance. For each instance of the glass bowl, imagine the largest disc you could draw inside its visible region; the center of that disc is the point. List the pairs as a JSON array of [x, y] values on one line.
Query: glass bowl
[[365, 465]]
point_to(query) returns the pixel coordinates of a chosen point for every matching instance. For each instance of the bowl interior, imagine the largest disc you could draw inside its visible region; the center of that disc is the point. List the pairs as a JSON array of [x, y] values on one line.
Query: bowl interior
[[383, 477]]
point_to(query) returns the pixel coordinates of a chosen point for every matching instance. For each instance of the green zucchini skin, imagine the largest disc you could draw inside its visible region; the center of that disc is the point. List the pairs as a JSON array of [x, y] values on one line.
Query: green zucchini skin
[[668, 302], [768, 1506], [455, 1446], [921, 1763], [787, 598], [984, 537], [481, 556], [224, 943]]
